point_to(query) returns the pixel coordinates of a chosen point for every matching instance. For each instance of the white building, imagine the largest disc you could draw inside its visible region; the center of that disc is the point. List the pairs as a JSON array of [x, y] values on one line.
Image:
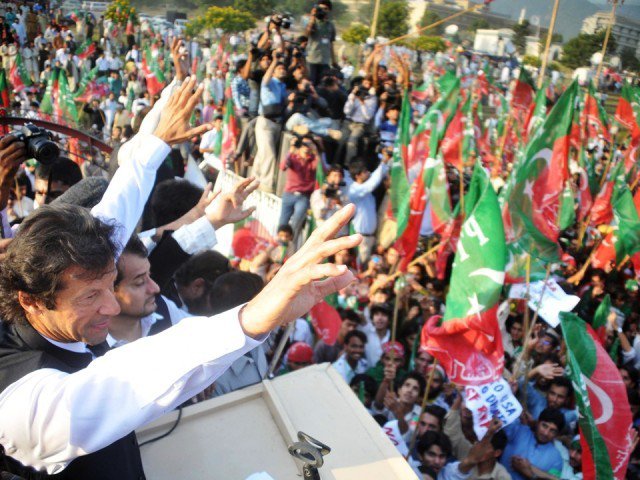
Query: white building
[[494, 42], [626, 31]]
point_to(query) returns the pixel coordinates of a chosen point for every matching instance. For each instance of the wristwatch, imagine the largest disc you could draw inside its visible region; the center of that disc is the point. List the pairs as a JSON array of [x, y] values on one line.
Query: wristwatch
[[619, 329]]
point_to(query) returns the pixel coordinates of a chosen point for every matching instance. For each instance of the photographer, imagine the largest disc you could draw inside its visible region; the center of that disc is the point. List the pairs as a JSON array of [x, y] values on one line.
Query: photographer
[[304, 109], [359, 112], [321, 33], [300, 167], [330, 197]]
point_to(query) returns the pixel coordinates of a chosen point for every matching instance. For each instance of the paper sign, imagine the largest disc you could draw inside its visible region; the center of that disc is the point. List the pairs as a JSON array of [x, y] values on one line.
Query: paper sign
[[489, 401], [549, 301]]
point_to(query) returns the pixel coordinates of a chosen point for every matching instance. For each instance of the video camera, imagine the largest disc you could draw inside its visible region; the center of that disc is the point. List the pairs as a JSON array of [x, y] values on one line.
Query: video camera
[[281, 21], [321, 13], [38, 143]]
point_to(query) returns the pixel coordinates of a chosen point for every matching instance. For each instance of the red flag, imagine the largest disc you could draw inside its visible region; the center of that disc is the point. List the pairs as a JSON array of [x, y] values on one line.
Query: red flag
[[326, 322], [451, 145]]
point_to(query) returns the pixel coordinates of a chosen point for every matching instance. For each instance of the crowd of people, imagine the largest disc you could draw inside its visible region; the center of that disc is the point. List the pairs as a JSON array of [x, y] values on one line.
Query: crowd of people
[[319, 133]]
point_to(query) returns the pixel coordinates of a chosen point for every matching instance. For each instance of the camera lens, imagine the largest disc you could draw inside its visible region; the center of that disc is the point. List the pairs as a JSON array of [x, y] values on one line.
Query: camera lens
[[43, 150]]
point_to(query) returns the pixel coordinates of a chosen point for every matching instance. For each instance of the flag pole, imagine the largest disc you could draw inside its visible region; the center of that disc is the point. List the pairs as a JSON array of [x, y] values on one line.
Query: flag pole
[[434, 24], [527, 328], [606, 41], [374, 23], [423, 406], [545, 57]]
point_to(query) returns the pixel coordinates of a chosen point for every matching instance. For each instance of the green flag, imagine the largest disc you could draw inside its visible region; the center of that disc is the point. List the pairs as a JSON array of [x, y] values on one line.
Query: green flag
[[626, 216], [399, 192], [46, 106], [567, 208], [602, 312]]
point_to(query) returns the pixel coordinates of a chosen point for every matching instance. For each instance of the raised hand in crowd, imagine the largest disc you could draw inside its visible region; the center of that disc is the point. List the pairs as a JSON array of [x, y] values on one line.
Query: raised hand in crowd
[[174, 125], [482, 450], [228, 207], [303, 280], [180, 59], [12, 154], [548, 371]]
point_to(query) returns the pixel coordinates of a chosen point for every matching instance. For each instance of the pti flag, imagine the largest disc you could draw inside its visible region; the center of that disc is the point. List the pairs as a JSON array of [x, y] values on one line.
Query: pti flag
[[601, 397], [467, 340]]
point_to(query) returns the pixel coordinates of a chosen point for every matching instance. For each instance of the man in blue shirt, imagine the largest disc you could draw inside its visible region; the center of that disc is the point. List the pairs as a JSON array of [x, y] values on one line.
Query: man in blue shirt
[[273, 97], [533, 446]]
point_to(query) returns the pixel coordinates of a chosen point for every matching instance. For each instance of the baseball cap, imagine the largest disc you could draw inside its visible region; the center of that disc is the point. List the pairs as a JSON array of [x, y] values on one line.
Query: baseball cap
[[300, 352]]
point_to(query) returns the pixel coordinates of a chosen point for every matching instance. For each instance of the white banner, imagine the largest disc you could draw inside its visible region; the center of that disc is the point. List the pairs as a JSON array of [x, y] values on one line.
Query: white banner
[[549, 302], [493, 400]]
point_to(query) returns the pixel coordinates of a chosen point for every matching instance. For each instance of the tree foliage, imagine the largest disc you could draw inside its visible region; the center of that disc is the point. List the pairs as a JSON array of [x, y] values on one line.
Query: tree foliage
[[258, 8], [478, 23], [430, 17], [521, 30], [532, 60], [629, 59], [228, 19], [425, 43], [393, 19], [577, 52], [356, 34], [119, 11]]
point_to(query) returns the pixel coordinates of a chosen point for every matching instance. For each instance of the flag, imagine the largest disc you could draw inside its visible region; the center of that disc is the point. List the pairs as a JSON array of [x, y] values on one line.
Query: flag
[[130, 98], [129, 30], [154, 77], [567, 208], [18, 75], [538, 112], [521, 100], [399, 193], [51, 92], [86, 49], [627, 219], [230, 133], [4, 89], [601, 397], [602, 210], [467, 340], [67, 103], [594, 116], [326, 320], [534, 197], [84, 82]]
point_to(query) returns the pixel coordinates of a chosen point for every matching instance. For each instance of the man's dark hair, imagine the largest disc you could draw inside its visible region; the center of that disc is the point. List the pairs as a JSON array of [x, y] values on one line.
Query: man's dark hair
[[133, 247], [328, 3], [370, 385], [552, 415], [415, 376], [430, 438], [209, 265], [357, 167], [285, 228], [355, 333], [499, 440], [563, 382], [437, 412], [51, 240], [511, 320], [349, 314], [171, 199], [232, 289], [335, 168], [62, 170]]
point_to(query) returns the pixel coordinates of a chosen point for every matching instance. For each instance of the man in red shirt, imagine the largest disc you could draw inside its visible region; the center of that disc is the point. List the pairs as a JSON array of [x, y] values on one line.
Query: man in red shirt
[[300, 166]]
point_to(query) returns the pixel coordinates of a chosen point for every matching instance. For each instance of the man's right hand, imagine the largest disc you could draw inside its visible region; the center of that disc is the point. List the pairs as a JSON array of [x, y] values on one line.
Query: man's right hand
[[12, 154], [174, 120], [303, 280]]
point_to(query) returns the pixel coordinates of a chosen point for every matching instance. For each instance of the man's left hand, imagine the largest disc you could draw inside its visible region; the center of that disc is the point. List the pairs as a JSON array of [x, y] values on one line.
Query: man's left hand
[[228, 208]]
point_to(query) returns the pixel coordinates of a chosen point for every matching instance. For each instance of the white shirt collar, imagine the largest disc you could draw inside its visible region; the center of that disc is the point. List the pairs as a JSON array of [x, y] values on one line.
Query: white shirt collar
[[146, 324], [76, 347]]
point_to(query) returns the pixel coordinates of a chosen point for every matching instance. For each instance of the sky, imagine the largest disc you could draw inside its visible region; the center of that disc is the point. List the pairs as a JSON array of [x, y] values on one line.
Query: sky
[[570, 14]]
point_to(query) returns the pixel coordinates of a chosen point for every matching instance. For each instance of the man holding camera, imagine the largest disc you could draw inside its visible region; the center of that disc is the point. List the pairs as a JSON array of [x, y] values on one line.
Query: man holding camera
[[321, 33]]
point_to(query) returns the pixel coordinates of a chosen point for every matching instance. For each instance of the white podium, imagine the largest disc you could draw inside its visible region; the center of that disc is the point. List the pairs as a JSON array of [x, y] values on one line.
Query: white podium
[[249, 431]]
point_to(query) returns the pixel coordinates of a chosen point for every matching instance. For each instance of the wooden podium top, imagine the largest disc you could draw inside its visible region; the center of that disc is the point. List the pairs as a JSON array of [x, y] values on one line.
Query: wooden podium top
[[248, 431]]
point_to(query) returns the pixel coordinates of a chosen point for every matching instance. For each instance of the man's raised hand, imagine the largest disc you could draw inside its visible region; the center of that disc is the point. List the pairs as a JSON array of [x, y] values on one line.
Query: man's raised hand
[[304, 279], [228, 207], [174, 120]]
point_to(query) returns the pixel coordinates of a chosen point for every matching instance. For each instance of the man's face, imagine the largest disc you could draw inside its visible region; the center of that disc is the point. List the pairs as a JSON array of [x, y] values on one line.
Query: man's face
[[546, 432], [516, 331], [409, 391], [434, 458], [84, 307], [57, 189], [280, 72], [380, 321], [334, 178], [545, 344], [557, 396], [136, 292], [346, 327], [428, 423], [354, 349], [421, 361], [626, 378], [388, 359], [575, 459]]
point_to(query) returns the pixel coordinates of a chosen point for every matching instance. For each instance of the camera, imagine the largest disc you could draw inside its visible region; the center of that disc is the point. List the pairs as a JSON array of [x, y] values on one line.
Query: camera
[[281, 21], [361, 93], [38, 143], [321, 13]]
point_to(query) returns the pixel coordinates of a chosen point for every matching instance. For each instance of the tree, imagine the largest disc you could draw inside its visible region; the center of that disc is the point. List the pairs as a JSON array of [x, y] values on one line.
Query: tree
[[120, 11], [228, 19], [428, 18], [426, 43], [521, 30], [258, 8], [532, 60], [478, 23], [629, 59], [393, 18], [556, 38], [577, 52], [356, 34]]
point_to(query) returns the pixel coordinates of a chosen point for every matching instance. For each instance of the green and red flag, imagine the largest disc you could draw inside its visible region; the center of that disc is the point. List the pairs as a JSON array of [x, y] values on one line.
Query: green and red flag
[[230, 133], [601, 396], [567, 215], [452, 142], [534, 198], [154, 76], [4, 90], [51, 93], [86, 49], [585, 197], [18, 75], [67, 103], [326, 320], [602, 209], [408, 220], [594, 116], [467, 340], [627, 220], [522, 98], [86, 79], [538, 112]]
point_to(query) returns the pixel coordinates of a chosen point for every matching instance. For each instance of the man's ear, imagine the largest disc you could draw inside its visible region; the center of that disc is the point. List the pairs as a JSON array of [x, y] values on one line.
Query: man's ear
[[29, 303], [198, 286]]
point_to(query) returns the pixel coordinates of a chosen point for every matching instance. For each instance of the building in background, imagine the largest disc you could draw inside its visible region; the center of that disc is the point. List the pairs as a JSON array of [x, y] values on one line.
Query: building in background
[[626, 31]]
